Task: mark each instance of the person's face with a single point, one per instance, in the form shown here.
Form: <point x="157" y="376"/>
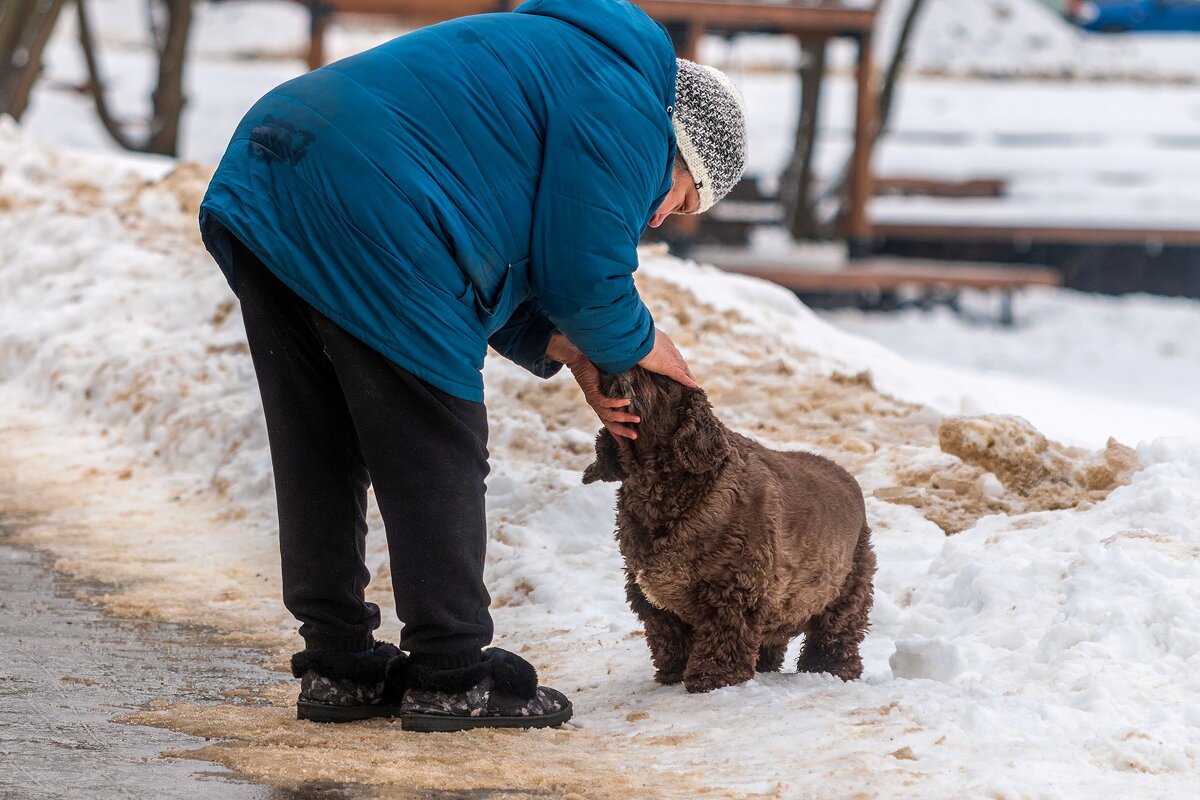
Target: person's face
<point x="682" y="199"/>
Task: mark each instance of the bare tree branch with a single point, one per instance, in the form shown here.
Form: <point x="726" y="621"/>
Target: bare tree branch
<point x="95" y="84"/>
<point x="25" y="27"/>
<point x="795" y="187"/>
<point x="167" y="99"/>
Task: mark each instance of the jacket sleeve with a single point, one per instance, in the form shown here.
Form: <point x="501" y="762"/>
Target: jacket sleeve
<point x="524" y="338"/>
<point x="605" y="162"/>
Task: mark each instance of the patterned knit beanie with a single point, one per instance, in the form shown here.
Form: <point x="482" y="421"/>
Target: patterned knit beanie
<point x="710" y="129"/>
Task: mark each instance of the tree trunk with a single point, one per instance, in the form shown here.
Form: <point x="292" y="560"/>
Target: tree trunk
<point x="25" y="27"/>
<point x="167" y="99"/>
<point x="795" y="187"/>
<point x="899" y="56"/>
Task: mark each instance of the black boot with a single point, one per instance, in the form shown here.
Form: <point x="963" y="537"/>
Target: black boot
<point x="500" y="691"/>
<point x="343" y="687"/>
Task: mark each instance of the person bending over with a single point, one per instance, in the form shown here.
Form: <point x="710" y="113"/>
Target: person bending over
<point x="382" y="220"/>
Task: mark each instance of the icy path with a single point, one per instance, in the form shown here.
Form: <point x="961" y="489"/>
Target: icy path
<point x="67" y="669"/>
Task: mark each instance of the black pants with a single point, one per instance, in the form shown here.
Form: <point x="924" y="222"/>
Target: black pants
<point x="341" y="417"/>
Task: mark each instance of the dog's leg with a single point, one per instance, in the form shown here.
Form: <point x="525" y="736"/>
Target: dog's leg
<point x="831" y="638"/>
<point x="770" y="656"/>
<point x="668" y="637"/>
<point x="724" y="650"/>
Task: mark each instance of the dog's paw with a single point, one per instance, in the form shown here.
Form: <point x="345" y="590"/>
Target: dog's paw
<point x="770" y="658"/>
<point x="848" y="669"/>
<point x="699" y="684"/>
<point x="668" y="677"/>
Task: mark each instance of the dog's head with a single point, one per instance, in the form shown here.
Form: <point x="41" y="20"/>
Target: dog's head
<point x="678" y="426"/>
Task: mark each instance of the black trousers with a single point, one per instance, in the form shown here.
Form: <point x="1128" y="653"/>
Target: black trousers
<point x="341" y="417"/>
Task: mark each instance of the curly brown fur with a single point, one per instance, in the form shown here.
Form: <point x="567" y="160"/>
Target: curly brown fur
<point x="832" y="637"/>
<point x="510" y="674"/>
<point x="362" y="667"/>
<point x="732" y="549"/>
<point x="669" y="637"/>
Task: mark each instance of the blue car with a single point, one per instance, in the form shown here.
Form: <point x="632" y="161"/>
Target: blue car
<point x="1116" y="16"/>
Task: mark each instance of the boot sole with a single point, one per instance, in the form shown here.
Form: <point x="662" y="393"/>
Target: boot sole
<point x="432" y="723"/>
<point x="318" y="712"/>
<point x="426" y="723"/>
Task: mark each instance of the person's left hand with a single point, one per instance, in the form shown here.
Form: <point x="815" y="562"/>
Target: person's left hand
<point x="608" y="409"/>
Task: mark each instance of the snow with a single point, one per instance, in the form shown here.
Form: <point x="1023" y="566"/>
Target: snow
<point x="1051" y="653"/>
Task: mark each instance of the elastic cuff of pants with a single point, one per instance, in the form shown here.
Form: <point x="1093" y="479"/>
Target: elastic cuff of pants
<point x="354" y="644"/>
<point x="447" y="660"/>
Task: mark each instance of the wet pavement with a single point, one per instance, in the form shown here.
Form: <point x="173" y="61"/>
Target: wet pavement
<point x="66" y="669"/>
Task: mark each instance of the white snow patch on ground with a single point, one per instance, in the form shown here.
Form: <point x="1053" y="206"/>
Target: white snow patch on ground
<point x="1054" y="654"/>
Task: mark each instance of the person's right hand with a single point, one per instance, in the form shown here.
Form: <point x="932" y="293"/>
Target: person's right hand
<point x="666" y="360"/>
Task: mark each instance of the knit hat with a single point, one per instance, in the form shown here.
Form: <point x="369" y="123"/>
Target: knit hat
<point x="710" y="129"/>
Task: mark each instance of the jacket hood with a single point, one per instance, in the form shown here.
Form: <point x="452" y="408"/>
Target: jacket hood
<point x="623" y="28"/>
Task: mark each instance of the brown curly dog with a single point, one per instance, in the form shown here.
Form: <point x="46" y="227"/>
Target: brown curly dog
<point x="731" y="549"/>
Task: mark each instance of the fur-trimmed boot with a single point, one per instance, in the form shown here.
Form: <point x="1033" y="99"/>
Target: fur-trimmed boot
<point x="500" y="691"/>
<point x="343" y="687"/>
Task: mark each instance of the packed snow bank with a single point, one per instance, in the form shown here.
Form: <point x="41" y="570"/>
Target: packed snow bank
<point x="1051" y="652"/>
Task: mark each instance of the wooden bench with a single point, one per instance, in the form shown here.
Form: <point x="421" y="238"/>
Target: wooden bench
<point x="879" y="281"/>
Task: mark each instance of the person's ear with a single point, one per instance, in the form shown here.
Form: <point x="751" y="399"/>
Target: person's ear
<point x="607" y="466"/>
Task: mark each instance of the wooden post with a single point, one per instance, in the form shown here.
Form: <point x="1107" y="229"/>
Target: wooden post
<point x="858" y="226"/>
<point x="319" y="15"/>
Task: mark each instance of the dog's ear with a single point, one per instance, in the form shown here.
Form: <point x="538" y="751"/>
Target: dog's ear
<point x="700" y="443"/>
<point x="607" y="466"/>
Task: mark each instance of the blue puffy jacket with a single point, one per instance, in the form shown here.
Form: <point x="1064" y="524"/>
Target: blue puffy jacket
<point x="485" y="179"/>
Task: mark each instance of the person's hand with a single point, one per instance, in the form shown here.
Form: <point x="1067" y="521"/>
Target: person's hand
<point x="608" y="409"/>
<point x="666" y="360"/>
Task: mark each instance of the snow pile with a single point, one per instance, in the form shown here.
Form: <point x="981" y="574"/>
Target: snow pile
<point x="165" y="353"/>
<point x="1039" y="652"/>
<point x="1003" y="465"/>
